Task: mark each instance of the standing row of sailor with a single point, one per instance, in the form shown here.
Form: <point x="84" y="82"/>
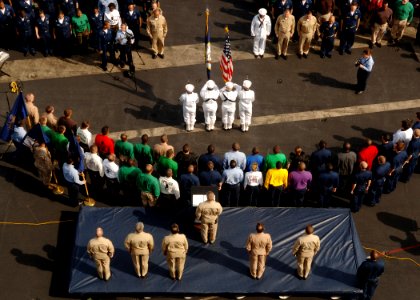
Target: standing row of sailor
<point x="230" y="94"/>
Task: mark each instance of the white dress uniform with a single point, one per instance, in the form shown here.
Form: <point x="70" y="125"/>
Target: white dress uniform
<point x="246" y="97"/>
<point x="189" y="102"/>
<point x="209" y="93"/>
<point x="260" y="29"/>
<point x="228" y="94"/>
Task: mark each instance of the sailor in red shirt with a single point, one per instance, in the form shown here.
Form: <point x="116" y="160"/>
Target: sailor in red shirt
<point x="105" y="143"/>
<point x="368" y="153"/>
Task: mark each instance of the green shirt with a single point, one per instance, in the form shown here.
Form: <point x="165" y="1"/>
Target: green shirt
<point x="59" y="142"/>
<point x="271" y="160"/>
<point x="148" y="183"/>
<point x="124" y="148"/>
<point x="165" y="163"/>
<point x="143" y="154"/>
<point x="47" y="131"/>
<point x="403" y="11"/>
<point x="80" y="24"/>
<point x="128" y="174"/>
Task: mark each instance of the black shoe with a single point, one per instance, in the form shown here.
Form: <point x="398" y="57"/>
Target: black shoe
<point x="328" y="55"/>
<point x="341" y="52"/>
<point x="25" y="53"/>
<point x="161" y="55"/>
<point x="379" y="45"/>
<point x="305" y="55"/>
<point x="276" y="57"/>
<point x="299" y="55"/>
<point x="256" y="56"/>
<point x="262" y="56"/>
<point x="154" y="56"/>
<point x="322" y="55"/>
<point x="104" y="68"/>
<point x="285" y="57"/>
<point x="122" y="65"/>
<point x="348" y="51"/>
<point x="370" y="45"/>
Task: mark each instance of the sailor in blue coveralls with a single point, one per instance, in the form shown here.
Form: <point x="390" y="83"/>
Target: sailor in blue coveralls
<point x="360" y="186"/>
<point x="328" y="31"/>
<point x="43" y="32"/>
<point x="397" y="164"/>
<point x="7" y="33"/>
<point x="106" y="44"/>
<point x="96" y="24"/>
<point x="349" y="25"/>
<point x="62" y="34"/>
<point x="133" y="20"/>
<point x="368" y="274"/>
<point x="24" y="32"/>
<point x="379" y="173"/>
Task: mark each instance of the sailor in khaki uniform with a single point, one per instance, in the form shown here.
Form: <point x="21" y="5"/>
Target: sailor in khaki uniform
<point x="157" y="29"/>
<point x="305" y="249"/>
<point x="258" y="246"/>
<point x="208" y="213"/>
<point x="101" y="250"/>
<point x="175" y="247"/>
<point x="284" y="29"/>
<point x="306" y="28"/>
<point x="140" y="244"/>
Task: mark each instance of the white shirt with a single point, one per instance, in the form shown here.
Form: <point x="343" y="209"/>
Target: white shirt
<point x="189" y="101"/>
<point x="245" y="99"/>
<point x="169" y="186"/>
<point x="253" y="179"/>
<point x="71" y="174"/>
<point x="229" y="97"/>
<point x="110" y="169"/>
<point x="18" y="134"/>
<point x="94" y="163"/>
<point x="113" y="17"/>
<point x="209" y="96"/>
<point x="261" y="27"/>
<point x="85" y="136"/>
<point x="403" y="136"/>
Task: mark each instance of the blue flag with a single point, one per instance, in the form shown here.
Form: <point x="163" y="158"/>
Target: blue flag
<point x="17" y="114"/>
<point x="38" y="134"/>
<point x="76" y="153"/>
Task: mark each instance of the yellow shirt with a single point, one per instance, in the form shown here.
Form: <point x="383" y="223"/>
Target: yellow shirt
<point x="276" y="177"/>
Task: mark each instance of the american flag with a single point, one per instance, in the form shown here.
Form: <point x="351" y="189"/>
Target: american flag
<point x="226" y="65"/>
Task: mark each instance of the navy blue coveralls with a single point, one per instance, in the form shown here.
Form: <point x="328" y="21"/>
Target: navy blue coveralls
<point x="44" y="32"/>
<point x="348" y="32"/>
<point x="328" y="34"/>
<point x="368" y="274"/>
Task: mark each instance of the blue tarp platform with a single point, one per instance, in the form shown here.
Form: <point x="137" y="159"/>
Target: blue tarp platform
<point x="222" y="268"/>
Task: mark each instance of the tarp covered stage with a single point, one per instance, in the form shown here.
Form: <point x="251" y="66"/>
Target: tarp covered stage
<point x="222" y="268"/>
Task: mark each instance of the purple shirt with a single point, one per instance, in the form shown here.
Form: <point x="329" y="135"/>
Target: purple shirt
<point x="299" y="180"/>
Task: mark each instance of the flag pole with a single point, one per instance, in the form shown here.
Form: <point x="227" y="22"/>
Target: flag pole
<point x="207" y="45"/>
<point x="88" y="200"/>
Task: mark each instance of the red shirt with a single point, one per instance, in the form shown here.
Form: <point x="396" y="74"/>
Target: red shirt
<point x="105" y="144"/>
<point x="368" y="154"/>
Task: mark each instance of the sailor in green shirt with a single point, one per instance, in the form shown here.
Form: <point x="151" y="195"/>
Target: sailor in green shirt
<point x="45" y="129"/>
<point x="143" y="152"/>
<point x="59" y="144"/>
<point x="271" y="159"/>
<point x="80" y="28"/>
<point x="403" y="15"/>
<point x="124" y="150"/>
<point x="128" y="173"/>
<point x="149" y="187"/>
<point x="166" y="162"/>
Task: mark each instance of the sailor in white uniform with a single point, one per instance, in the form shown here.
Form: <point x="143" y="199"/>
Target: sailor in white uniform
<point x="189" y="101"/>
<point x="210" y="93"/>
<point x="228" y="94"/>
<point x="246" y="98"/>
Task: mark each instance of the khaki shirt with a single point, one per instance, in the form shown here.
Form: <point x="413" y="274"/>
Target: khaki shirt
<point x="306" y="25"/>
<point x="259" y="243"/>
<point x="307" y="245"/>
<point x="175" y="245"/>
<point x="100" y="247"/>
<point x="208" y="212"/>
<point x="157" y="26"/>
<point x="32" y="113"/>
<point x="139" y="243"/>
<point x="285" y="26"/>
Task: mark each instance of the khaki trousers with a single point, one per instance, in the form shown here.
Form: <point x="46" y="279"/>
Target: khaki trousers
<point x="158" y="42"/>
<point x="283" y="43"/>
<point x="398" y="27"/>
<point x="208" y="232"/>
<point x="378" y="32"/>
<point x="148" y="199"/>
<point x="305" y="42"/>
<point x="257" y="265"/>
<point x="141" y="264"/>
<point x="175" y="265"/>
<point x="304" y="265"/>
<point x="103" y="267"/>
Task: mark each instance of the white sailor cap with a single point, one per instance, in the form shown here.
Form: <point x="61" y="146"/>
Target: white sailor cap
<point x="229" y="85"/>
<point x="247" y="84"/>
<point x="210" y="84"/>
<point x="262" y="11"/>
<point x="189" y="88"/>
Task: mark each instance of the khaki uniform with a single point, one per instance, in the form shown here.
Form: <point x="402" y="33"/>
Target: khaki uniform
<point x="258" y="246"/>
<point x="304" y="249"/>
<point x="51" y="120"/>
<point x="208" y="213"/>
<point x="101" y="250"/>
<point x="140" y="245"/>
<point x="157" y="30"/>
<point x="306" y="29"/>
<point x="44" y="164"/>
<point x="175" y="247"/>
<point x="284" y="29"/>
<point x="32" y="113"/>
